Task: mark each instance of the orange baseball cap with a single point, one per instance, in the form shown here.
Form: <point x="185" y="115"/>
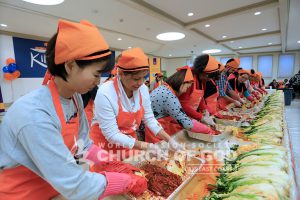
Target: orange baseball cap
<point x="235" y="63"/>
<point x="79" y="41"/>
<point x="188" y="75"/>
<point x="243" y="71"/>
<point x="212" y="65"/>
<point x="114" y="71"/>
<point x="159" y="74"/>
<point x="133" y="60"/>
<point x="222" y="67"/>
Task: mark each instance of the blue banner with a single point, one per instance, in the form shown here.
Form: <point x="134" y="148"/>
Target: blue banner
<point x="30" y="57"/>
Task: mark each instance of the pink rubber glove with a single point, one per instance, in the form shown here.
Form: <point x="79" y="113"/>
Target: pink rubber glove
<point x="219" y="115"/>
<point x="99" y="156"/>
<point x="265" y="91"/>
<point x="199" y="127"/>
<point x="260" y="91"/>
<point x="120" y="183"/>
<point x="250" y="98"/>
<point x="255" y="95"/>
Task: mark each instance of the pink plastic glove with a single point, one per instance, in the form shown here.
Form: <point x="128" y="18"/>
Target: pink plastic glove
<point x="99" y="156"/>
<point x="199" y="127"/>
<point x="219" y="115"/>
<point x="120" y="183"/>
<point x="250" y="98"/>
<point x="260" y="91"/>
<point x="265" y="91"/>
<point x="256" y="95"/>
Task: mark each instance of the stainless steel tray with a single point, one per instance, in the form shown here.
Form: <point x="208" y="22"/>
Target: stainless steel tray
<point x="193" y="165"/>
<point x="226" y="132"/>
<point x="228" y="122"/>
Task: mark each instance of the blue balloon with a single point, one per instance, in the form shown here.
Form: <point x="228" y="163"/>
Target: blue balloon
<point x="12" y="67"/>
<point x="5" y="69"/>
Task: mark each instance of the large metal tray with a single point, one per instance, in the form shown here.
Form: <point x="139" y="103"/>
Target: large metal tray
<point x="228" y="122"/>
<point x="193" y="165"/>
<point x="226" y="132"/>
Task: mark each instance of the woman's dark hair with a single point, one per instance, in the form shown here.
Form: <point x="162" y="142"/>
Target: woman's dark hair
<point x="176" y="80"/>
<point x="89" y="95"/>
<point x="200" y="64"/>
<point x="252" y="71"/>
<point x="230" y="60"/>
<point x="236" y="73"/>
<point x="59" y="70"/>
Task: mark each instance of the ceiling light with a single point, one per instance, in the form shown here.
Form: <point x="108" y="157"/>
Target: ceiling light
<point x="45" y="2"/>
<point x="240" y="47"/>
<point x="232" y="41"/>
<point x="208" y="51"/>
<point x="257" y="13"/>
<point x="270" y="43"/>
<point x="264" y="29"/>
<point x="170" y="36"/>
<point x="207" y="25"/>
<point x="170" y="55"/>
<point x="3" y="25"/>
<point x="224" y="36"/>
<point x="129" y="47"/>
<point x="119" y="39"/>
<point x="190" y="14"/>
<point x="299" y="41"/>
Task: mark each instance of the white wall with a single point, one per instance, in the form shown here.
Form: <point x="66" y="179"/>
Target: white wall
<point x="170" y="64"/>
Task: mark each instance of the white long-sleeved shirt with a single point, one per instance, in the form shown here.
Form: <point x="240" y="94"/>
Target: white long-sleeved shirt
<point x="30" y="136"/>
<point x="107" y="109"/>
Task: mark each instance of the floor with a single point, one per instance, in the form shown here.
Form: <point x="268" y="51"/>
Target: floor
<point x="293" y="123"/>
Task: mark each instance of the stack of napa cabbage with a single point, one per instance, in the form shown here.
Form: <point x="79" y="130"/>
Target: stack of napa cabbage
<point x="253" y="172"/>
<point x="267" y="127"/>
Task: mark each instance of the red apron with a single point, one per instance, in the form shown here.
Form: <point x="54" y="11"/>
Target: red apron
<point x="89" y="111"/>
<point x="169" y="124"/>
<point x="156" y="85"/>
<point x="212" y="101"/>
<point x="22" y="183"/>
<point x="196" y="96"/>
<point x="127" y="122"/>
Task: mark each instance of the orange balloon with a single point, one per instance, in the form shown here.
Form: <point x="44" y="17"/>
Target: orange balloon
<point x="8" y="76"/>
<point x="10" y="60"/>
<point x="16" y="74"/>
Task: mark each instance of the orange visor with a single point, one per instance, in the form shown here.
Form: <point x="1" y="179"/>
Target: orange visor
<point x="234" y="64"/>
<point x="212" y="65"/>
<point x="79" y="41"/>
<point x="159" y="74"/>
<point x="188" y="75"/>
<point x="222" y="67"/>
<point x="243" y="71"/>
<point x="133" y="60"/>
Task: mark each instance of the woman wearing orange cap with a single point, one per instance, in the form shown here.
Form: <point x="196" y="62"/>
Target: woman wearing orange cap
<point x="253" y="85"/>
<point x="226" y="94"/>
<point x="238" y="84"/>
<point x="167" y="108"/>
<point x="122" y="104"/>
<point x="37" y="152"/>
<point x="156" y="82"/>
<point x="205" y="67"/>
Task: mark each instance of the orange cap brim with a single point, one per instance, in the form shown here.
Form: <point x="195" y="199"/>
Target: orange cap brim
<point x="212" y="66"/>
<point x="188" y="75"/>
